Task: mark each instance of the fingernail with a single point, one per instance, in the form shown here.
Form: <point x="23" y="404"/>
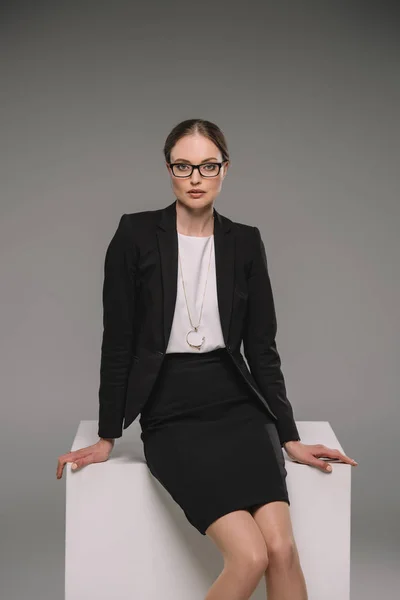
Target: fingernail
<point x="329" y="468"/>
<point x="74" y="466"/>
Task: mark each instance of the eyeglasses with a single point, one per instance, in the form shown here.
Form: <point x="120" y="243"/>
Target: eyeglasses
<point x="211" y="169"/>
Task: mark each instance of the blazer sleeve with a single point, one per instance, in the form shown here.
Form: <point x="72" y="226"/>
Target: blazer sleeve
<point x="116" y="348"/>
<point x="259" y="343"/>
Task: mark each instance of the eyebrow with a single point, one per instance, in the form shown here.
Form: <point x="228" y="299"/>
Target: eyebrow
<point x="185" y="160"/>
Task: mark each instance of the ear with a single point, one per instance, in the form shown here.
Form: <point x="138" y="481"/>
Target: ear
<point x="225" y="168"/>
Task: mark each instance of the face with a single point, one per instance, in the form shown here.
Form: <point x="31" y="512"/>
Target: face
<point x="196" y="149"/>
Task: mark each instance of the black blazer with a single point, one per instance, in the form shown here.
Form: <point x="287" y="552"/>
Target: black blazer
<point x="139" y="294"/>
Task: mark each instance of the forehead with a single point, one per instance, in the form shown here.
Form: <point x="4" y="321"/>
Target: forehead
<point x="195" y="148"/>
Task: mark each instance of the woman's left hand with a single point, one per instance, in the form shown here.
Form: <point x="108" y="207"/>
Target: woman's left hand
<point x="310" y="454"/>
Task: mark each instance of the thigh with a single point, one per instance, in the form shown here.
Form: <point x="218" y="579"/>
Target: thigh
<point x="274" y="522"/>
<point x="238" y="537"/>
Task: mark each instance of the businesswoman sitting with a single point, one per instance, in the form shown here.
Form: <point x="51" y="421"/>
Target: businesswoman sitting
<point x="184" y="286"/>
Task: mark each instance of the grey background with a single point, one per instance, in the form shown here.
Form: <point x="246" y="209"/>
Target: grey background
<point x="307" y="95"/>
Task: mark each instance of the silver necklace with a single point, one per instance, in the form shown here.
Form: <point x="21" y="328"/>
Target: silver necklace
<point x="195" y="327"/>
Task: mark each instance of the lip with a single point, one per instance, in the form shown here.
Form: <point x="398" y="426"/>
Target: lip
<point x="196" y="192"/>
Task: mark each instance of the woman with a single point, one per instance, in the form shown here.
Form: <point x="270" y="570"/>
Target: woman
<point x="183" y="287"/>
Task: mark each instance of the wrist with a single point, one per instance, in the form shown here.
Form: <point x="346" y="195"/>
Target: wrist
<point x="290" y="443"/>
<point x="110" y="440"/>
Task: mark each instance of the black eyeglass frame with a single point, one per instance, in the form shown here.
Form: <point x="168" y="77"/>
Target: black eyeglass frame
<point x="197" y="167"/>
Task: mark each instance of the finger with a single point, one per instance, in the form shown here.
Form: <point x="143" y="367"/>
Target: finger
<point x="60" y="467"/>
<point x="335" y="454"/>
<point x="71" y="457"/>
<point x="81" y="462"/>
<point x="75" y="454"/>
<point x="347" y="459"/>
<point x="325" y="452"/>
<point x="320" y="464"/>
<point x="59" y="471"/>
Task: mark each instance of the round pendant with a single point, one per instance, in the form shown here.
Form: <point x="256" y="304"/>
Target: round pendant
<point x="197" y="342"/>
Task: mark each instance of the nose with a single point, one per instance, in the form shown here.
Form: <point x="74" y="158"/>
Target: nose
<point x="195" y="177"/>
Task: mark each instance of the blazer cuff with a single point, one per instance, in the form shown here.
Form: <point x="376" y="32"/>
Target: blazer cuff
<point x="287" y="432"/>
<point x="107" y="431"/>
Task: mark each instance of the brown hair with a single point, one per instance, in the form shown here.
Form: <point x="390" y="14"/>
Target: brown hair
<point x="191" y="126"/>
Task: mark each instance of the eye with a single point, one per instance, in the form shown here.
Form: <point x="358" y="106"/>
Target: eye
<point x="183" y="167"/>
<point x="210" y="167"/>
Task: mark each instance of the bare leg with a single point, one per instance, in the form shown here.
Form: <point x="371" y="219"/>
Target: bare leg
<point x="238" y="537"/>
<point x="284" y="576"/>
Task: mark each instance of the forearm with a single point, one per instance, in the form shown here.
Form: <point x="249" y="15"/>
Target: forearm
<point x="266" y="370"/>
<point x="114" y="373"/>
<point x="260" y="346"/>
<point x="117" y="341"/>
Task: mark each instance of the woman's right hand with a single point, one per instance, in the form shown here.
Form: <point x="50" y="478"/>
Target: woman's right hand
<point x="98" y="452"/>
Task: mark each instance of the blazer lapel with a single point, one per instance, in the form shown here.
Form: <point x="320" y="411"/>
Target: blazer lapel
<point x="168" y="249"/>
<point x="224" y="265"/>
<point x="225" y="269"/>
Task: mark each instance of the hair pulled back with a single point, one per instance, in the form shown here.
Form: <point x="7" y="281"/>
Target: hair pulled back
<point x="192" y="126"/>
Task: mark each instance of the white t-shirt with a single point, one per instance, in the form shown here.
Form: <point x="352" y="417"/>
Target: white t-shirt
<point x="194" y="256"/>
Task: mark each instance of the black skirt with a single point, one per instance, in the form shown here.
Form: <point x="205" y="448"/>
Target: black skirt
<point x="209" y="440"/>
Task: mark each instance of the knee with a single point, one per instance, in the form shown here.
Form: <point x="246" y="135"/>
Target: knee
<point x="253" y="563"/>
<point x="282" y="552"/>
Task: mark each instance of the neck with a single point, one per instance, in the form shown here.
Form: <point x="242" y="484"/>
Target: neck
<point x="196" y="222"/>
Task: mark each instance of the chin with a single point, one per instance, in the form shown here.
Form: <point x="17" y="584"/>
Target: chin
<point x="196" y="203"/>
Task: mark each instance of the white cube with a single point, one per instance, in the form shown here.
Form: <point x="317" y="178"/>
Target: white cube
<point x="126" y="539"/>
